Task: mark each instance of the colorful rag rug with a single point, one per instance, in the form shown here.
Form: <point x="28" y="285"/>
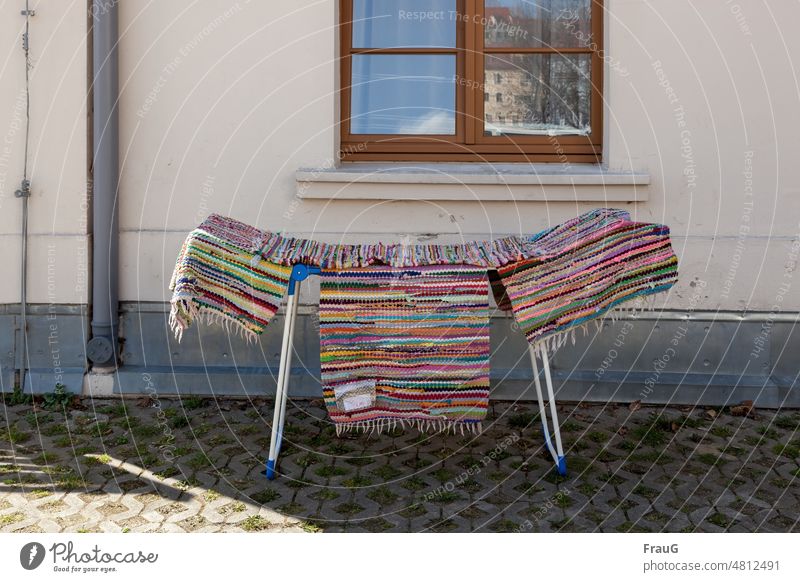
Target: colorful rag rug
<point x="585" y="268"/>
<point x="553" y="281"/>
<point x="405" y="345"/>
<point x="404" y="328"/>
<point x="219" y="276"/>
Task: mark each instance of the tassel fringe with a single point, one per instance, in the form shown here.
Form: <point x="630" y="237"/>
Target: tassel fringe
<point x="553" y="342"/>
<point x="424" y="425"/>
<point x="184" y="311"/>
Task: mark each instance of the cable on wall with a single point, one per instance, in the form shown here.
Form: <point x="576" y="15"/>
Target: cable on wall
<point x="24" y="192"/>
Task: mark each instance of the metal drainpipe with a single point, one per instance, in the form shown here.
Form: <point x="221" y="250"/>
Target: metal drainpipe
<point x="102" y="349"/>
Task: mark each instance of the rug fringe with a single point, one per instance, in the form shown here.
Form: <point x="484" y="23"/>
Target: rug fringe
<point x="424" y="425"/>
<point x="633" y="309"/>
<point x="184" y="311"/>
<point x="287" y="250"/>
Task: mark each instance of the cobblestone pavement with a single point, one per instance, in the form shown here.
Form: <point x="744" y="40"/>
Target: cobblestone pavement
<point x="195" y="465"/>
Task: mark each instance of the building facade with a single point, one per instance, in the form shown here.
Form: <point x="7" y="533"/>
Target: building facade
<point x="233" y="107"/>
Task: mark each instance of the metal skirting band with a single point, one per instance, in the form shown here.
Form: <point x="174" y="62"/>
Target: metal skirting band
<point x="710" y="358"/>
<point x="663" y="315"/>
<point x="57" y="336"/>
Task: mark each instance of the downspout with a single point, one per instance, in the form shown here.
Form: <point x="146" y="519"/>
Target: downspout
<point x="102" y="349"/>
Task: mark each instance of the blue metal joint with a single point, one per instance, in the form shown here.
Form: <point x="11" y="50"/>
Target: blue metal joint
<point x="301" y="272"/>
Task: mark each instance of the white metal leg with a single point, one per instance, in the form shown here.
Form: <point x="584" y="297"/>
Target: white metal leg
<point x="556" y="452"/>
<point x="282" y="390"/>
<point x="300" y="272"/>
<point x="288" y="373"/>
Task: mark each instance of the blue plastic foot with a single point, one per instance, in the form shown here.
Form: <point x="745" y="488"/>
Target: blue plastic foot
<point x="270" y="473"/>
<point x="561" y="466"/>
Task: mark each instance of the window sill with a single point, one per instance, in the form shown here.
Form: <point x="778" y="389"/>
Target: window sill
<point x="518" y="182"/>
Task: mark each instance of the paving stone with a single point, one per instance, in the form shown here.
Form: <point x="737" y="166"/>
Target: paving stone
<point x="654" y="469"/>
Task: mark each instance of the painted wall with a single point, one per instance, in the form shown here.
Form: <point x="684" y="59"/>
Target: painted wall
<point x="222" y="101"/>
<point x="58" y="227"/>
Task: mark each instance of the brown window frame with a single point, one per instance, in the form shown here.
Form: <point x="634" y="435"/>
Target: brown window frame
<point x="469" y="144"/>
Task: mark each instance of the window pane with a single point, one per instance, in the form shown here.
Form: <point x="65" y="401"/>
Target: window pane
<point x="403" y="94"/>
<point x="538" y="94"/>
<point x="404" y="23"/>
<point x="538" y="23"/>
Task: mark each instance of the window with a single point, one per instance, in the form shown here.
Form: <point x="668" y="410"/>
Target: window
<point x="413" y="72"/>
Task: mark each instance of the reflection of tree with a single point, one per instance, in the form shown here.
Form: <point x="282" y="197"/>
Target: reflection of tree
<point x="541" y="101"/>
<point x="529" y="23"/>
<point x="541" y="92"/>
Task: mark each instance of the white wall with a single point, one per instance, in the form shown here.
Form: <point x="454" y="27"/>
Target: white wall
<point x="58" y="251"/>
<point x="222" y="101"/>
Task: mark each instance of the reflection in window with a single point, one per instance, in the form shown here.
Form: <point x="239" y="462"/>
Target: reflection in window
<point x="538" y="23"/>
<point x="410" y="23"/>
<point x="403" y="94"/>
<point x="550" y="94"/>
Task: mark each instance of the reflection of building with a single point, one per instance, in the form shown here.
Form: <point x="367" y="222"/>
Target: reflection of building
<point x="549" y="23"/>
<point x="535" y="93"/>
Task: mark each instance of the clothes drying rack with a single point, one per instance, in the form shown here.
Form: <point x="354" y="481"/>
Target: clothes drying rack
<point x="301" y="272"/>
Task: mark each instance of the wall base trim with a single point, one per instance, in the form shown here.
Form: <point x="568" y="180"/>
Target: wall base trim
<point x="620" y="387"/>
<point x="705" y="358"/>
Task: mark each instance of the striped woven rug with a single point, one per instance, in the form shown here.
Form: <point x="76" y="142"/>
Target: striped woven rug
<point x="220" y="276"/>
<point x="404" y="329"/>
<point x="585" y="268"/>
<point x="405" y="345"/>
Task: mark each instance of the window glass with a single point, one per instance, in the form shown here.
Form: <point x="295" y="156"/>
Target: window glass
<point x="543" y="94"/>
<point x="403" y="94"/>
<point x="537" y="23"/>
<point x="406" y="23"/>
